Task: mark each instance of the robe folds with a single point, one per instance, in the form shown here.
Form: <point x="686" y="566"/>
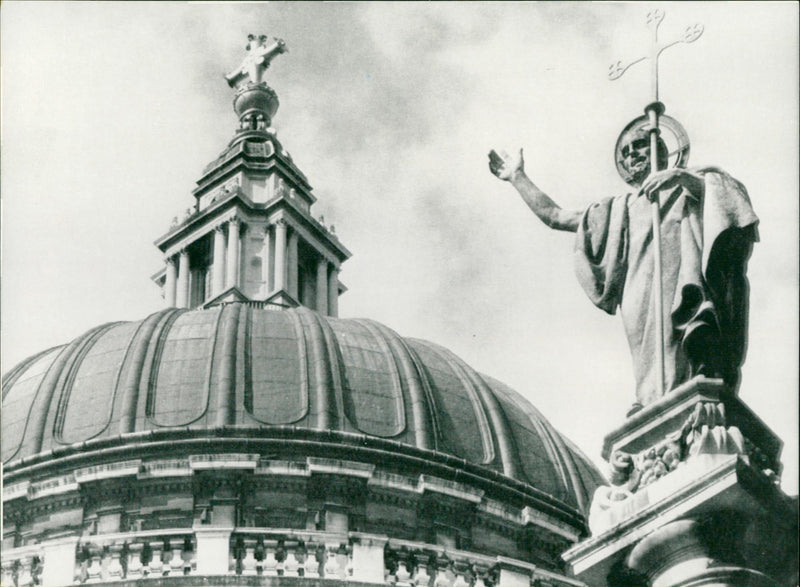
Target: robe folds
<point x="706" y="239"/>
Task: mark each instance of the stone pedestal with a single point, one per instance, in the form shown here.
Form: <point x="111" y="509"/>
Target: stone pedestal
<point x="213" y="546"/>
<point x="694" y="499"/>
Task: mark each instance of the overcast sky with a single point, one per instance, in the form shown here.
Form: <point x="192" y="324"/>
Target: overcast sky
<point x="110" y="111"/>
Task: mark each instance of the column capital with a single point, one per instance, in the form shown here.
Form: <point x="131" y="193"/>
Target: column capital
<point x="281" y="222"/>
<point x="219" y="227"/>
<point x="234" y="220"/>
<point x="169" y="260"/>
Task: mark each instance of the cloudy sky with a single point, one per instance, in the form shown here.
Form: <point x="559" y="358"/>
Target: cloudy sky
<point x="111" y="110"/>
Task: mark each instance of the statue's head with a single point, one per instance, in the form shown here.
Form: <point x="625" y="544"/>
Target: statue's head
<point x="634" y="157"/>
<point x="632" y="151"/>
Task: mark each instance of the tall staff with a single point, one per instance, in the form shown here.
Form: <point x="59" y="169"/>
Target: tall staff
<point x="654" y="110"/>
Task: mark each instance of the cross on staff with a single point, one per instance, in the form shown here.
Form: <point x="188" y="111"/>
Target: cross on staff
<point x="653" y="111"/>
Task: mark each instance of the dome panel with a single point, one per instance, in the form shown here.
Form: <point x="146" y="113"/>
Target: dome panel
<point x="276" y="391"/>
<point x="372" y="394"/>
<point x="87" y="398"/>
<point x="18" y="398"/>
<point x="179" y="389"/>
<point x="462" y="423"/>
<point x="535" y="450"/>
<point x="221" y="370"/>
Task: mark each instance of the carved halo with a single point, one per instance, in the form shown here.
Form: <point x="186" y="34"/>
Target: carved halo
<point x="675" y="138"/>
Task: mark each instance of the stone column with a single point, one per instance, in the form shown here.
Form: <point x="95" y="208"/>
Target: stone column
<point x="218" y="279"/>
<point x="232" y="274"/>
<point x="322" y="286"/>
<point x="291" y="266"/>
<point x="183" y="280"/>
<point x="170" y="282"/>
<point x="705" y="551"/>
<point x="280" y="255"/>
<point x="333" y="292"/>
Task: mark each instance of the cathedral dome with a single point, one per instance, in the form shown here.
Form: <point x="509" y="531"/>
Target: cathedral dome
<point x="252" y="377"/>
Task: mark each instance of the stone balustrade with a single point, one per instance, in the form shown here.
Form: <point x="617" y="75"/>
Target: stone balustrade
<point x="143" y="555"/>
<point x="22" y="566"/>
<point x="352" y="557"/>
<point x="424" y="565"/>
<point x="291" y="554"/>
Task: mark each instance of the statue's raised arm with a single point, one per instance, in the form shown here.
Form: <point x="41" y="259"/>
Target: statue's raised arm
<point x="512" y="169"/>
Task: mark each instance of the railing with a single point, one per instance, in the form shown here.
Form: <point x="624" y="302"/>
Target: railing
<point x="24" y="568"/>
<point x="149" y="554"/>
<point x="353" y="557"/>
<point x="411" y="563"/>
<point x="290" y="554"/>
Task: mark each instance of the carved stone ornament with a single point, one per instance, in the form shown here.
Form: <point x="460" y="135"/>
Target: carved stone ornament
<point x="704" y="432"/>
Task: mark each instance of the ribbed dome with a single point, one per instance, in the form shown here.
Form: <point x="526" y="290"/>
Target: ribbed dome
<point x="238" y="367"/>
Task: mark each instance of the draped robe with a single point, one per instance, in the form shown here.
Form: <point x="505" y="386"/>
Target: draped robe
<point x="706" y="241"/>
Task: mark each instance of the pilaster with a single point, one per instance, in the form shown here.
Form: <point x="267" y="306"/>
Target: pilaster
<point x="291" y="265"/>
<point x="280" y="255"/>
<point x="232" y="269"/>
<point x="322" y="286"/>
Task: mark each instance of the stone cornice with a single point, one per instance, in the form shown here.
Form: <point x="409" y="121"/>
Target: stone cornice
<point x="328" y="444"/>
<point x="237" y="201"/>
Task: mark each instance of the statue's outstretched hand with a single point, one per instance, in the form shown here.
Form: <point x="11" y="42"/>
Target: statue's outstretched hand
<point x="505" y="166"/>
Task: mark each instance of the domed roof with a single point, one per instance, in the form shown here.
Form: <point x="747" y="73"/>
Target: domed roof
<point x="240" y="367"/>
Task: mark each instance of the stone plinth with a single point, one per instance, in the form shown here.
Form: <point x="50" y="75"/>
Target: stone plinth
<point x="694" y="498"/>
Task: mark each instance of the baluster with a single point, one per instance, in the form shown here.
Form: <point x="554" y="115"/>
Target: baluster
<point x="114" y="569"/>
<point x="311" y="562"/>
<point x="345" y="557"/>
<point x="280" y="556"/>
<point x="421" y="576"/>
<point x="188" y="557"/>
<point x="235" y="555"/>
<point x="348" y="570"/>
<point x="260" y="553"/>
<point x="461" y="570"/>
<point x="95" y="570"/>
<point x="442" y="570"/>
<point x="176" y="563"/>
<point x="24" y="576"/>
<point x="36" y="569"/>
<point x="8" y="574"/>
<point x="156" y="565"/>
<point x="147" y="556"/>
<point x="403" y="574"/>
<point x="270" y="562"/>
<point x="135" y="561"/>
<point x="290" y="565"/>
<point x="481" y="573"/>
<point x="82" y="564"/>
<point x="249" y="560"/>
<point x="331" y="564"/>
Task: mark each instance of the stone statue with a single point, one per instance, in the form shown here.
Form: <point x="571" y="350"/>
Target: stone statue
<point x="707" y="230"/>
<point x="259" y="56"/>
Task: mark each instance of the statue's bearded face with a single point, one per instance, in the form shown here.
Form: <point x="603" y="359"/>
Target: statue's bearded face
<point x="636" y="159"/>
